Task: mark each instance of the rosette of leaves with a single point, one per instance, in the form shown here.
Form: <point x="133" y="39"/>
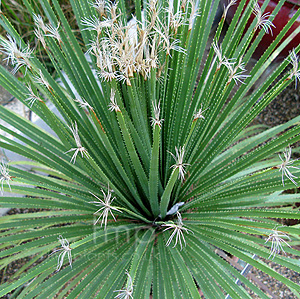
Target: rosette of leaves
<point x="149" y="169"/>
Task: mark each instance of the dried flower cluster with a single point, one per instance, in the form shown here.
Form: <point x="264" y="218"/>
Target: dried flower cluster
<point x="137" y="47"/>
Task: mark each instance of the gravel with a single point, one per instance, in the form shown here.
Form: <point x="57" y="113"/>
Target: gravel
<point x="276" y="288"/>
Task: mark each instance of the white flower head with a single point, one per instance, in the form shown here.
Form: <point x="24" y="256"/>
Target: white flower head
<point x="106" y="206"/>
<point x="199" y="114"/>
<point x="178" y="231"/>
<point x="54" y="32"/>
<point x="277" y="238"/>
<point x="79" y="148"/>
<point x="126" y="293"/>
<point x="286" y="164"/>
<point x="293" y="58"/>
<point x="65" y="250"/>
<point x="17" y="56"/>
<point x="113" y="106"/>
<point x="40" y="79"/>
<point x="32" y="97"/>
<point x="179" y="161"/>
<point x="262" y="19"/>
<point x="156" y="109"/>
<point x="4" y="175"/>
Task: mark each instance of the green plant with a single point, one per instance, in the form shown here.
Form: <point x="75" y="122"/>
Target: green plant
<point x="23" y="22"/>
<point x="169" y="159"/>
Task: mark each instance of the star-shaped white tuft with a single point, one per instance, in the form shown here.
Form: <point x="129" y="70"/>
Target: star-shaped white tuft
<point x="79" y="148"/>
<point x="65" y="250"/>
<point x="221" y="57"/>
<point x="16" y="54"/>
<point x="83" y="103"/>
<point x="199" y="114"/>
<point x="262" y="19"/>
<point x="53" y="32"/>
<point x="276" y="237"/>
<point x="106" y="207"/>
<point x="155" y="120"/>
<point x="4" y="176"/>
<point x="32" y="97"/>
<point x="113" y="106"/>
<point x="293" y="58"/>
<point x="179" y="161"/>
<point x="178" y="231"/>
<point x="286" y="164"/>
<point x="40" y="79"/>
<point x="126" y="293"/>
<point x="237" y="73"/>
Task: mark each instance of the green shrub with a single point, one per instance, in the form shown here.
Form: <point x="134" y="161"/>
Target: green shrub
<point x="151" y="169"/>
